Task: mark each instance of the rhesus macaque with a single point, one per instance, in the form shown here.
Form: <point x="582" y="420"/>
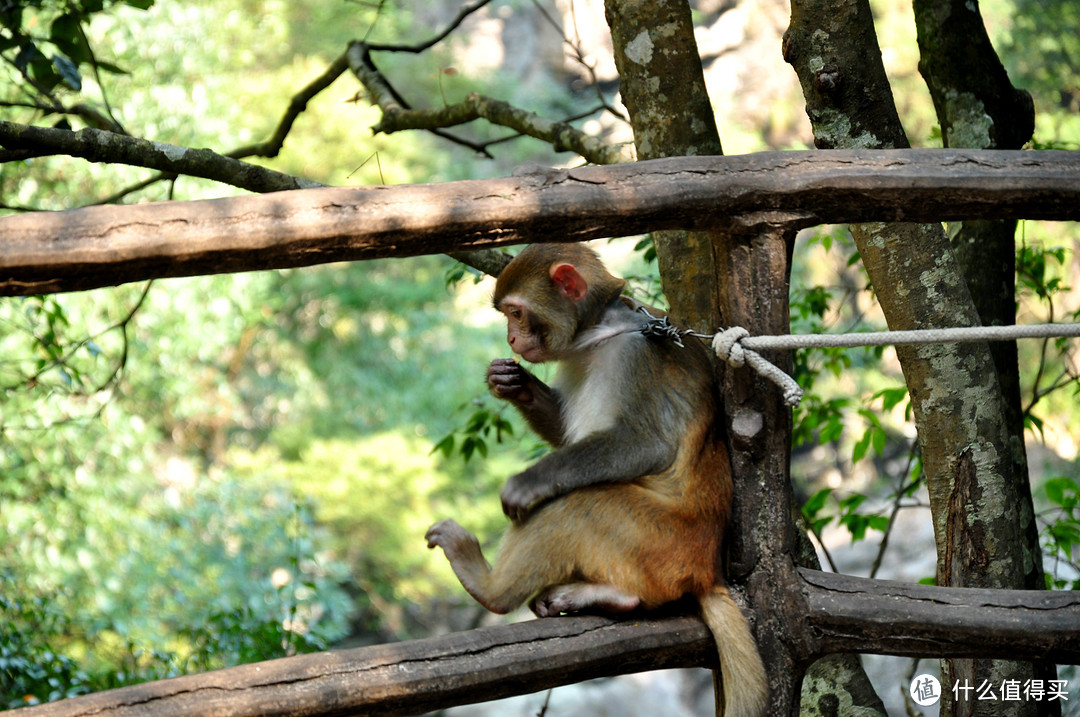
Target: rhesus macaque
<point x="629" y="508"/>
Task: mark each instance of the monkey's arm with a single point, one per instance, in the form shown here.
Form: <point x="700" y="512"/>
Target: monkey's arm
<point x="608" y="456"/>
<point x="537" y="402"/>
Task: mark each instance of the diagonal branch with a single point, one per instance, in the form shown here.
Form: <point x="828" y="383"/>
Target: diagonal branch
<point x="37" y="142"/>
<point x="436" y="39"/>
<point x="299" y="102"/>
<point x="397" y="116"/>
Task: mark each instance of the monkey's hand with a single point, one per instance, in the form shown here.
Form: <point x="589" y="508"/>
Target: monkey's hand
<point x="510" y="381"/>
<point x="535" y="400"/>
<point x="520" y="495"/>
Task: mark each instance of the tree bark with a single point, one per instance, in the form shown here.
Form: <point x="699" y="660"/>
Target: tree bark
<point x="663" y="87"/>
<point x="97" y="145"/>
<point x="977" y="107"/>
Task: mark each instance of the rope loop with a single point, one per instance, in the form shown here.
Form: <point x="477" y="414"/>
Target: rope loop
<point x="737" y="347"/>
<point x="726" y="344"/>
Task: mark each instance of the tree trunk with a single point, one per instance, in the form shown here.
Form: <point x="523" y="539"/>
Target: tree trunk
<point x="959" y="407"/>
<point x="663" y="87"/>
<point x="977" y="107"/>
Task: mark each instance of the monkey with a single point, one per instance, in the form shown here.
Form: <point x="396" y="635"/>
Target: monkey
<point x="629" y="508"/>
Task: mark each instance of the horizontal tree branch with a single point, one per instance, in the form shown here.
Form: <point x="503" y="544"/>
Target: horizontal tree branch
<point x="97" y="145"/>
<point x="849" y="614"/>
<point x="107" y="245"/>
<point x="844" y="614"/>
<point x="414" y="677"/>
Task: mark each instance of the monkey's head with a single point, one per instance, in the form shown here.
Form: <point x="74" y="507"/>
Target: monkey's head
<point x="549" y="293"/>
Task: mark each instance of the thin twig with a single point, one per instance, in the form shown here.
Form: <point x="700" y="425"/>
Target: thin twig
<point x="897" y="505"/>
<point x="431" y="42"/>
<point x="299" y="102"/>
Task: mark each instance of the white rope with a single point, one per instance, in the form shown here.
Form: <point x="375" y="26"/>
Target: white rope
<point x="737" y="347"/>
<point x="917" y="336"/>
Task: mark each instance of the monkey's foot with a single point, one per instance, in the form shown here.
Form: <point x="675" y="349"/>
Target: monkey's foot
<point x="573" y="597"/>
<point x="458" y="543"/>
<point x="467" y="560"/>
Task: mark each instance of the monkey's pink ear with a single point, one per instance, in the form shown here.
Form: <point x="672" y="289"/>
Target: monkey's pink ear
<point x="570" y="282"/>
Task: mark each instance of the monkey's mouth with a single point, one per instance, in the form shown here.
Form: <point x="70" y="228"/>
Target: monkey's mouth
<point x="532" y="354"/>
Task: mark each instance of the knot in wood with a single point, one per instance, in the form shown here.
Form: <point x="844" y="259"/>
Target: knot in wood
<point x="827" y="80"/>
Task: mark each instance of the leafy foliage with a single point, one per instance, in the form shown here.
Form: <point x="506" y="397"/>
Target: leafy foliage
<point x="1061" y="534"/>
<point x="30" y="670"/>
<point x="46" y="41"/>
<point x="482" y="425"/>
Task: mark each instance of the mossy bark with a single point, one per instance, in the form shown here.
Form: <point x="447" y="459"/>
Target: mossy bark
<point x="978" y="108"/>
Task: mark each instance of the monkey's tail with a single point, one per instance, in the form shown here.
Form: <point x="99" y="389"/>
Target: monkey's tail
<point x="745" y="687"/>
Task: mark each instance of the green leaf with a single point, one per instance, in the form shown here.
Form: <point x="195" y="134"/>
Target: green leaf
<point x="852" y="503"/>
<point x="445" y="446"/>
<point x="816" y="502"/>
<point x="891" y="397"/>
<point x="1063" y="491"/>
<point x="856" y="525"/>
<point x="813" y="506"/>
<point x="1066" y="533"/>
<point x="110" y="67"/>
<point x="879" y="439"/>
<point x="502" y="426"/>
<point x="478" y="421"/>
<point x="879" y="523"/>
<point x="832" y="430"/>
<point x="859" y="451"/>
<point x="66" y="34"/>
<point x="473" y="444"/>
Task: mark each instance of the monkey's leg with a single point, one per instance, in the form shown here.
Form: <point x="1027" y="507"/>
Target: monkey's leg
<point x="467" y="560"/>
<point x="573" y="597"/>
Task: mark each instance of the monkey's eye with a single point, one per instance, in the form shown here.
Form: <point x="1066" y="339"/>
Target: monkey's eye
<point x="515" y="313"/>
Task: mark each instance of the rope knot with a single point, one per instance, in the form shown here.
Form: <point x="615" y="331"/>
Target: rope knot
<point x="727" y="347"/>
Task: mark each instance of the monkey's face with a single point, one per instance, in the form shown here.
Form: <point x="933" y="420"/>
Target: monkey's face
<point x="540" y="299"/>
<point x="525" y="330"/>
